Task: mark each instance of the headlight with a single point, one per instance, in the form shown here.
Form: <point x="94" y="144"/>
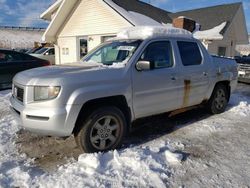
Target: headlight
<point x="42" y="93"/>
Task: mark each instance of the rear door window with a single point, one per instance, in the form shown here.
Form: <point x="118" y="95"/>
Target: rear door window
<point x="190" y="53"/>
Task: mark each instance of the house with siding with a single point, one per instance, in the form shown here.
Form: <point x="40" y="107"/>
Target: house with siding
<point x="77" y="26"/>
<point x="244" y="49"/>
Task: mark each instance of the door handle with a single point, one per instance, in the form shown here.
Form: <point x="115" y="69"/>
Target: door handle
<point x="173" y="78"/>
<point x="205" y="73"/>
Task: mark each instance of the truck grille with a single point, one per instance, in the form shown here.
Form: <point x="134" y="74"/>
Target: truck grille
<point x="18" y="93"/>
<point x="244" y="70"/>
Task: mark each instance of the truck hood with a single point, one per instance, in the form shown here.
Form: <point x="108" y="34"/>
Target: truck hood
<point x="36" y="55"/>
<point x="69" y="74"/>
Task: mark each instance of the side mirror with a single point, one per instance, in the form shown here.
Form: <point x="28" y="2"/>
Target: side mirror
<point x="47" y="53"/>
<point x="143" y="65"/>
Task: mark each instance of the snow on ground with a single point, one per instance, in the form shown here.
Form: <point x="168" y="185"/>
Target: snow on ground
<point x="202" y="151"/>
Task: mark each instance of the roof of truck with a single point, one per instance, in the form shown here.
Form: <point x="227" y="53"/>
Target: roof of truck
<point x="144" y="32"/>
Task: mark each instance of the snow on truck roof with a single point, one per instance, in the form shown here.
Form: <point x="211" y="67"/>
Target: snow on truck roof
<point x="144" y="32"/>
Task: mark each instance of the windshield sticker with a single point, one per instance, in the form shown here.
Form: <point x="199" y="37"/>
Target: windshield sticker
<point x="126" y="48"/>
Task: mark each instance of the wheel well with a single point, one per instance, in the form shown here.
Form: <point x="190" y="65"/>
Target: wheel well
<point x="227" y="84"/>
<point x="117" y="101"/>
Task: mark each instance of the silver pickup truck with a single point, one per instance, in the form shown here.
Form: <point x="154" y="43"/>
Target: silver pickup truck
<point x="143" y="72"/>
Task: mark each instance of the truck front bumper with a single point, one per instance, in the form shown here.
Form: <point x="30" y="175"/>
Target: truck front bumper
<point x="45" y="121"/>
<point x="244" y="79"/>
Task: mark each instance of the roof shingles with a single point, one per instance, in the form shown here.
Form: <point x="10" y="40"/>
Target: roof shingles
<point x="155" y="13"/>
<point x="208" y="17"/>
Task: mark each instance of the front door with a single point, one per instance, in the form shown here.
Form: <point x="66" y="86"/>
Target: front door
<point x="156" y="90"/>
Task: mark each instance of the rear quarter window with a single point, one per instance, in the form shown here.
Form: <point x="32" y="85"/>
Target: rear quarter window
<point x="190" y="53"/>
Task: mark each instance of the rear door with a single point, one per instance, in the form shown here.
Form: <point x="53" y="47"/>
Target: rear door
<point x="194" y="73"/>
<point x="157" y="90"/>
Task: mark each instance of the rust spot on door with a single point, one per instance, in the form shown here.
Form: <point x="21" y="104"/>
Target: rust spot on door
<point x="187" y="88"/>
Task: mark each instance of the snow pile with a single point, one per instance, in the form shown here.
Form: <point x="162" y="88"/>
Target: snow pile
<point x="133" y="167"/>
<point x="143" y="166"/>
<point x="173" y="158"/>
<point x="240" y="105"/>
<point x="211" y="34"/>
<point x="143" y="32"/>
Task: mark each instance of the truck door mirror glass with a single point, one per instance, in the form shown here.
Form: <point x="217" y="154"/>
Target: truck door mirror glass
<point x="143" y="65"/>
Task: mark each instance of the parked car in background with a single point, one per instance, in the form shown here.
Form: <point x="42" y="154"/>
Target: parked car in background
<point x="33" y="50"/>
<point x="12" y="62"/>
<point x="47" y="53"/>
<point x="244" y="68"/>
<point x="22" y="50"/>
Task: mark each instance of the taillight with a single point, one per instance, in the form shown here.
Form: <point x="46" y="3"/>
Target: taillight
<point x="46" y="63"/>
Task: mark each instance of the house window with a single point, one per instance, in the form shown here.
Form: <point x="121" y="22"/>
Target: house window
<point x="105" y="38"/>
<point x="222" y="51"/>
<point x="83" y="47"/>
<point x="65" y="51"/>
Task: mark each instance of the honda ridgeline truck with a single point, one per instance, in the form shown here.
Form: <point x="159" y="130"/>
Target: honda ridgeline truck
<point x="142" y="72"/>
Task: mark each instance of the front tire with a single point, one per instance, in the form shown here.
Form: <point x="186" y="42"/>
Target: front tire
<point x="102" y="130"/>
<point x="219" y="99"/>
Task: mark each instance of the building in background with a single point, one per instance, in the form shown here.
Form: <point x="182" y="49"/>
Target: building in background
<point x="20" y="37"/>
<point x="244" y="49"/>
<point x="77" y="26"/>
<point x="228" y="19"/>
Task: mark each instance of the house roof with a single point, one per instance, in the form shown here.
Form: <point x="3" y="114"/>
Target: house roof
<point x="208" y="17"/>
<point x="211" y="17"/>
<point x="146" y="9"/>
<point x="46" y="15"/>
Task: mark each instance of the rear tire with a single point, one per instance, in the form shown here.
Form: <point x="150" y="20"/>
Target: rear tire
<point x="102" y="130"/>
<point x="219" y="99"/>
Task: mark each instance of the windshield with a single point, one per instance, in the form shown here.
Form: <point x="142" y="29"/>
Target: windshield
<point x="113" y="52"/>
<point x="41" y="51"/>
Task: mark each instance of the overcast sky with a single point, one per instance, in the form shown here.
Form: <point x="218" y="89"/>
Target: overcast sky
<point x="26" y="12"/>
